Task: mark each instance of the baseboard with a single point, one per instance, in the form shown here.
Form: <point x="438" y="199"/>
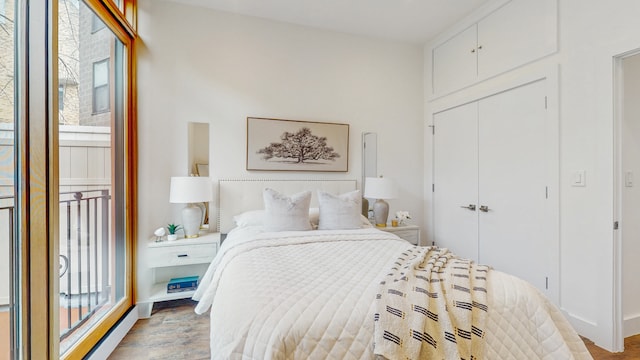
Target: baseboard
<point x="582" y="326"/>
<point x="4" y="300"/>
<point x="632" y="325"/>
<point x="109" y="343"/>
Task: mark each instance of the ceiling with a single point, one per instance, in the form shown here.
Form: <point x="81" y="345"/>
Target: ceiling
<point x="414" y="21"/>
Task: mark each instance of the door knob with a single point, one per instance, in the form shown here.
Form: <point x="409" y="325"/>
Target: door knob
<point x="484" y="208"/>
<point x="470" y="207"/>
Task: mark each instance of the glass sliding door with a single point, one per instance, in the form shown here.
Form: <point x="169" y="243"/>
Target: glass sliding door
<point x="7" y="175"/>
<point x="93" y="249"/>
<point x="67" y="174"/>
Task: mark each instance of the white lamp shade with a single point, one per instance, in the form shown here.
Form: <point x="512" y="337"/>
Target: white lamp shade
<point x="190" y="189"/>
<point x="379" y="188"/>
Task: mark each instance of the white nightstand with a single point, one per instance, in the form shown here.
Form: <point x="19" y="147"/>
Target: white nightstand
<point x="177" y="258"/>
<point x="411" y="233"/>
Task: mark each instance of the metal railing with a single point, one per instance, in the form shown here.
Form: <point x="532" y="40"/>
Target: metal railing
<point x="84" y="248"/>
<point x="84" y="253"/>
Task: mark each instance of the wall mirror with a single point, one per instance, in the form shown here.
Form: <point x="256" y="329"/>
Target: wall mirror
<point x="198" y="149"/>
<point x="369" y="163"/>
<point x="198" y="155"/>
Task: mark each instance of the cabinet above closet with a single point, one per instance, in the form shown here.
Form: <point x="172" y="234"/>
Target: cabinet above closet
<point x="515" y="34"/>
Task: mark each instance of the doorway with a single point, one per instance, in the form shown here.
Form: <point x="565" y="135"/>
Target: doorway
<point x="627" y="191"/>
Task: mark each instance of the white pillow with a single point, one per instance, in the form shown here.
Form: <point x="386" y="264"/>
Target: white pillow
<point x="338" y="212"/>
<point x="314" y="217"/>
<point x="286" y="213"/>
<point x="249" y="218"/>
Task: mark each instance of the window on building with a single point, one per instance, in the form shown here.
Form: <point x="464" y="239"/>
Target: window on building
<point x="101" y="86"/>
<point x="60" y="97"/>
<point x="96" y="24"/>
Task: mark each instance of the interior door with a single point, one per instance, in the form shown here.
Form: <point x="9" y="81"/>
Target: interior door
<point x="455" y="172"/>
<point x="512" y="182"/>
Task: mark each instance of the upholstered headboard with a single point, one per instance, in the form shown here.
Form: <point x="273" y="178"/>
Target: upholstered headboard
<point x="236" y="196"/>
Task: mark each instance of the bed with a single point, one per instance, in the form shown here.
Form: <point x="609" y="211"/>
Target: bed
<point x="360" y="293"/>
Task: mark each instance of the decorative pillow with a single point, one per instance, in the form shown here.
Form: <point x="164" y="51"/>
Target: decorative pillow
<point x="286" y="213"/>
<point x="314" y="217"/>
<point x="338" y="212"/>
<point x="249" y="218"/>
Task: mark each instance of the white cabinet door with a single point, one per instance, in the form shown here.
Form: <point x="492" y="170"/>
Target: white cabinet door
<point x="512" y="182"/>
<point x="519" y="32"/>
<point x="493" y="153"/>
<point x="455" y="171"/>
<point x="455" y="62"/>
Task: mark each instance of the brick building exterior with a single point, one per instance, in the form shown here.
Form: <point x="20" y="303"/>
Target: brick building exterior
<point x="83" y="42"/>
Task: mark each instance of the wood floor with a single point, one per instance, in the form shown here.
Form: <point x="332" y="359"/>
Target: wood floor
<point x="174" y="331"/>
<point x="631" y="350"/>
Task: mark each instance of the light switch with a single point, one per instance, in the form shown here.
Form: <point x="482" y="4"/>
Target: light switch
<point x="579" y="178"/>
<point x="628" y="179"/>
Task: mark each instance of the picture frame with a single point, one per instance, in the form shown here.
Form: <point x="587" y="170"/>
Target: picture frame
<point x="297" y="145"/>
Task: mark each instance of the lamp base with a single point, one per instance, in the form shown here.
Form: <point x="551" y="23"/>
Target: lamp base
<point x="191" y="219"/>
<point x="380" y="212"/>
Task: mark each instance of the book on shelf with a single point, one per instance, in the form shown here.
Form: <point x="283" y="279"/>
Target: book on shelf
<point x="183" y="284"/>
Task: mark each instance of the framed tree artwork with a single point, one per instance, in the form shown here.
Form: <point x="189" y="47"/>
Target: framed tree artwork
<point x="293" y="145"/>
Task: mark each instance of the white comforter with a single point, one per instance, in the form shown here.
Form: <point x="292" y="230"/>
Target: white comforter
<point x="310" y="295"/>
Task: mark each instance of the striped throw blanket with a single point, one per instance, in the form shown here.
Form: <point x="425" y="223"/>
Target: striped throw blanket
<point x="432" y="305"/>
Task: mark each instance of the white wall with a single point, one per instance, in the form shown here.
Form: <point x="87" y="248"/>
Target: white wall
<point x="205" y="66"/>
<point x="630" y="132"/>
<point x="592" y="32"/>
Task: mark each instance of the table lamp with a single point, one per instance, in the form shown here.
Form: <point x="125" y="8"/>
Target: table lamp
<point x="190" y="190"/>
<point x="380" y="189"/>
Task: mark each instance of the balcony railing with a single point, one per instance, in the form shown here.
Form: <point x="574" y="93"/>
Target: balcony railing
<point x="84" y="253"/>
<point x="84" y="250"/>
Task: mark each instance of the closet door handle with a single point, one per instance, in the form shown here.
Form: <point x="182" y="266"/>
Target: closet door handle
<point x="484" y="208"/>
<point x="470" y="207"/>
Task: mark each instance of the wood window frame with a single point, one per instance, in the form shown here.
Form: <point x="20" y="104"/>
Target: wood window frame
<point x="37" y="176"/>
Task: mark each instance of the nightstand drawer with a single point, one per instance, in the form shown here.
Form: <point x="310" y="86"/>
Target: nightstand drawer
<point x="182" y="255"/>
<point x="409" y="235"/>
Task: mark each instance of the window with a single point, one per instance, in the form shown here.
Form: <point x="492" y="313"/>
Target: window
<point x="9" y="309"/>
<point x="63" y="302"/>
<point x="60" y="97"/>
<point x="94" y="247"/>
<point x="101" y="86"/>
<point x="96" y="24"/>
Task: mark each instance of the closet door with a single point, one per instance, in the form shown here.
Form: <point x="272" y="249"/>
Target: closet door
<point x="512" y="182"/>
<point x="455" y="172"/>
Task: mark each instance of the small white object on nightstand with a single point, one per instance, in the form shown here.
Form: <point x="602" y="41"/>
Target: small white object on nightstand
<point x="159" y="233"/>
<point x="411" y="233"/>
